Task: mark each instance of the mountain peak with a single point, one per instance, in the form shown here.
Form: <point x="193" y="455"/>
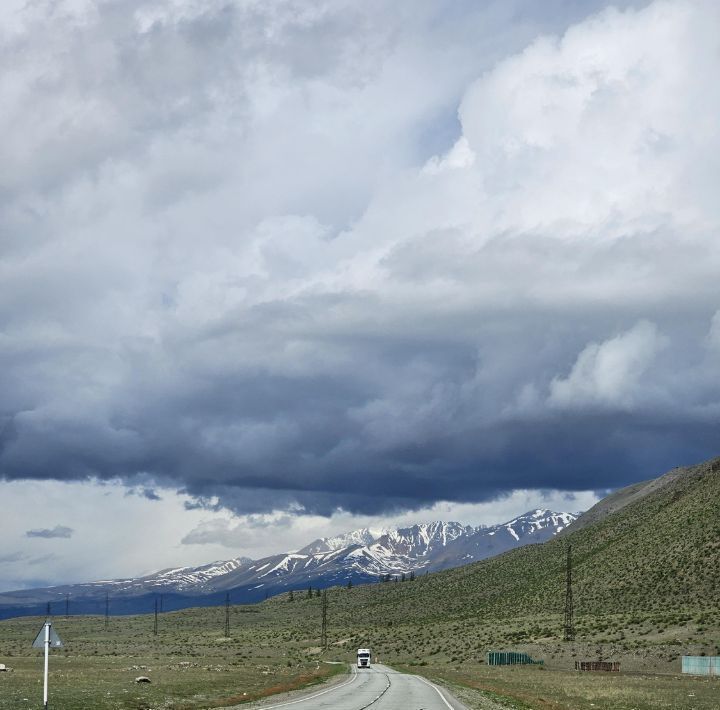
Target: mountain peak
<point x="361" y="536"/>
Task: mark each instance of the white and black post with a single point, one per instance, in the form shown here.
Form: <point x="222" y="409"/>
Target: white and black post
<point x="47" y="636"/>
<point x="47" y="659"/>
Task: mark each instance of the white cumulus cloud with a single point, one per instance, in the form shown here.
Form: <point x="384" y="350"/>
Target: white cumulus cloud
<point x="610" y="373"/>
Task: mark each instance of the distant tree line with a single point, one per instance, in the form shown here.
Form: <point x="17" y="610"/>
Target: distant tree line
<point x="394" y="578"/>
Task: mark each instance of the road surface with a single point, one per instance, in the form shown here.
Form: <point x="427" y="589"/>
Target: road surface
<point x="375" y="688"/>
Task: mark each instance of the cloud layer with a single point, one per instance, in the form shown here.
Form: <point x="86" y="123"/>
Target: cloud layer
<point x="182" y="537"/>
<point x="310" y="256"/>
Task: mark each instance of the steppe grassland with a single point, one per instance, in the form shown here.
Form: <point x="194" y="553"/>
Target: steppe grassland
<point x="532" y="688"/>
<point x="274" y="647"/>
<point x="190" y="662"/>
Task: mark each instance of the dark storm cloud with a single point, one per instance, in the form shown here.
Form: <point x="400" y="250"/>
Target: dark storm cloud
<point x="243" y="272"/>
<point x="59" y="531"/>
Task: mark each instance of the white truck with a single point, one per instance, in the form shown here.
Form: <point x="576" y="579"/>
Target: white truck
<point x="363" y="658"/>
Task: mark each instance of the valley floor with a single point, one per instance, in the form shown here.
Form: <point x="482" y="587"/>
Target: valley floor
<point x="273" y="648"/>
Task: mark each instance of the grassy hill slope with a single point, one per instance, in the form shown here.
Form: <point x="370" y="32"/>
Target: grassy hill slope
<point x="646" y="588"/>
<point x="659" y="552"/>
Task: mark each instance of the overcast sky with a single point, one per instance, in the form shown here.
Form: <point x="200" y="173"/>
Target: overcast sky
<point x="270" y="269"/>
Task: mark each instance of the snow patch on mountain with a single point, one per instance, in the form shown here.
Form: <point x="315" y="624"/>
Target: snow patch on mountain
<point x="363" y="536"/>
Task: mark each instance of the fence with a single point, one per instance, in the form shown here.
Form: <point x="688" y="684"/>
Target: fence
<point x="510" y="658"/>
<point x="611" y="666"/>
<point x="701" y="665"/>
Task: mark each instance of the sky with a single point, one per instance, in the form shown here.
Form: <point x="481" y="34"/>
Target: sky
<point x="272" y="270"/>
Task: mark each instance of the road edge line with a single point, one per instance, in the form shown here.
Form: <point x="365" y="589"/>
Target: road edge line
<point x="436" y="689"/>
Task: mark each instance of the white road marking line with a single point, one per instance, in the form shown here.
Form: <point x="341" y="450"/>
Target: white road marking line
<point x="312" y="697"/>
<point x="437" y="690"/>
<point x="387" y="687"/>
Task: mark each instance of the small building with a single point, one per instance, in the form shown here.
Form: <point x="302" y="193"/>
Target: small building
<point x="608" y="666"/>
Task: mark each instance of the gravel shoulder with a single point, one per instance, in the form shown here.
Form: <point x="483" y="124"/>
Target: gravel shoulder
<point x="475" y="699"/>
<point x="294" y="694"/>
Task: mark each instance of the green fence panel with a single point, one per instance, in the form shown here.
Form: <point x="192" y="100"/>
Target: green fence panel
<point x="701" y="665"/>
<point x="509" y="658"/>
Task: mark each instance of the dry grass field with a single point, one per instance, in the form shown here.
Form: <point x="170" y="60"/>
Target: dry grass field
<point x="273" y="647"/>
<point x="532" y="688"/>
<point x="190" y="663"/>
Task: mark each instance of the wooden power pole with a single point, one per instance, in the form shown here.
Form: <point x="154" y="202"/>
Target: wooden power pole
<point x="569" y="628"/>
<point x="323" y="626"/>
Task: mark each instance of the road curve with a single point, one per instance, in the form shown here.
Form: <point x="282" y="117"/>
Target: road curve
<point x="376" y="688"/>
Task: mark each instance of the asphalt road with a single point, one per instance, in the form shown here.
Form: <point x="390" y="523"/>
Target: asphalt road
<point x="376" y="688"/>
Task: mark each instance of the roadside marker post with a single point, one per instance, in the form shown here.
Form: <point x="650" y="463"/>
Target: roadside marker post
<point x="47" y="636"/>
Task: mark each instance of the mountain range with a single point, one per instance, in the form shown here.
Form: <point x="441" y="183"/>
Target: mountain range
<point x="361" y="556"/>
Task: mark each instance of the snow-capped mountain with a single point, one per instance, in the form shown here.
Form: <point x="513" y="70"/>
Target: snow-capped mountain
<point x="363" y="536"/>
<point x="361" y="556"/>
<point x="189" y="577"/>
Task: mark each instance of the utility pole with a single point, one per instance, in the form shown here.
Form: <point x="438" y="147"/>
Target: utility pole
<point x="67" y="605"/>
<point x="323" y="627"/>
<point x="569" y="629"/>
<point x="155" y="628"/>
<point x="227" y="614"/>
<point x="107" y="610"/>
<point x="161" y="603"/>
<point x="47" y="611"/>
